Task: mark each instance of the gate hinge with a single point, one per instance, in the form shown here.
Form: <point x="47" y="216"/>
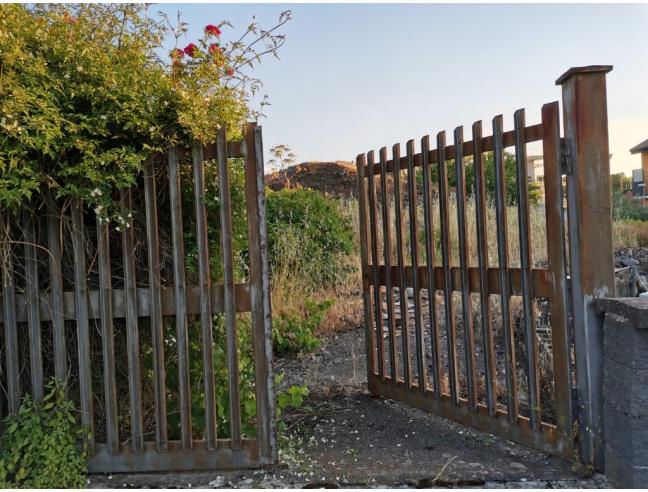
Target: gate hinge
<point x="565" y="157"/>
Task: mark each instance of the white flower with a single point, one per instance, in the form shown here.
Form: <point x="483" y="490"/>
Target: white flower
<point x="98" y="209"/>
<point x="117" y="229"/>
<point x="66" y="76"/>
<point x="103" y="117"/>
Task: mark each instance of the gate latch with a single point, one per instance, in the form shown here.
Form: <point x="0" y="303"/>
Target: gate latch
<point x="565" y="157"/>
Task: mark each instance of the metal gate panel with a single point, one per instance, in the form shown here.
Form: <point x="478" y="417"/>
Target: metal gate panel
<point x="415" y="355"/>
<point x="45" y="312"/>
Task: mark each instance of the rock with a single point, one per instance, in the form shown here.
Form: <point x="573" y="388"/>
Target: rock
<point x="217" y="483"/>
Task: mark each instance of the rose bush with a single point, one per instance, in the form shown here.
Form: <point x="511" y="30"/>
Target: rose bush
<point x="87" y="93"/>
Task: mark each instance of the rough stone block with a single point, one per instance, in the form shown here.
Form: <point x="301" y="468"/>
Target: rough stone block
<point x="624" y="343"/>
<point x="626" y="434"/>
<point x="625" y="388"/>
<point x="622" y="473"/>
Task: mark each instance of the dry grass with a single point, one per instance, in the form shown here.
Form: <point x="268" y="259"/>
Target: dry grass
<point x="291" y="286"/>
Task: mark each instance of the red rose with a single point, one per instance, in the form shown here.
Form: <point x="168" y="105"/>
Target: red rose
<point x="214" y="48"/>
<point x="230" y="71"/>
<point x="177" y="53"/>
<point x="212" y="29"/>
<point x="191" y="49"/>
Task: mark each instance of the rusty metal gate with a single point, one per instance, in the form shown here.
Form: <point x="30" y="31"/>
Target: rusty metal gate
<point x="39" y="311"/>
<point x="461" y="318"/>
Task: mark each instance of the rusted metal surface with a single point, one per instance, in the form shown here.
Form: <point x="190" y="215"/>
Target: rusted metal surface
<point x="503" y="268"/>
<point x="155" y="305"/>
<point x="490" y="370"/>
<point x="260" y="294"/>
<point x="431" y="285"/>
<point x="204" y="280"/>
<point x="144" y="296"/>
<point x="228" y="282"/>
<point x="110" y="301"/>
<point x="180" y="298"/>
<point x="361" y="163"/>
<point x="466" y="302"/>
<point x="548" y="420"/>
<point x="132" y="326"/>
<point x="556" y="255"/>
<point x="590" y="239"/>
<point x="385" y="200"/>
<point x="444" y="213"/>
<point x="10" y="324"/>
<point x="400" y="260"/>
<point x="373" y="228"/>
<point x="531" y="134"/>
<point x="107" y="337"/>
<point x="56" y="288"/>
<point x="421" y="365"/>
<point x="524" y="228"/>
<point x="33" y="312"/>
<point x="82" y="318"/>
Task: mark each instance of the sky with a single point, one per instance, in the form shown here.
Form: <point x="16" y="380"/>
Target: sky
<point x="356" y="77"/>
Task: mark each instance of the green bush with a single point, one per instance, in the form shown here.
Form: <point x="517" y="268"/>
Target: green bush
<point x="307" y="232"/>
<point x="42" y="446"/>
<point x="624" y="208"/>
<point x="294" y="333"/>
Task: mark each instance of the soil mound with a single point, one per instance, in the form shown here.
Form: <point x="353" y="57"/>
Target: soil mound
<point x="334" y="178"/>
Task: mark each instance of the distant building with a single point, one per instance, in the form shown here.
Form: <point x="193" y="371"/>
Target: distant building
<point x="535" y="172"/>
<point x="639" y="176"/>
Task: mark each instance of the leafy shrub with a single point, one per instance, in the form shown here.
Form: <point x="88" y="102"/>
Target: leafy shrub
<point x="308" y="233"/>
<point x="295" y="333"/>
<point x="85" y="96"/>
<point x="624" y="208"/>
<point x="42" y="446"/>
<point x="510" y="170"/>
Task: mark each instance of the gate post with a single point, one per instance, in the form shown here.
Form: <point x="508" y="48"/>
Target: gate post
<point x="590" y="241"/>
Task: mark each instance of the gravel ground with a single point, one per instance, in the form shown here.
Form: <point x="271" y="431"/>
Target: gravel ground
<point x="344" y="437"/>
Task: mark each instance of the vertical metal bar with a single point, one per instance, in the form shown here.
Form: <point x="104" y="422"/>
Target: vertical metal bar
<point x="33" y="306"/>
<point x="375" y="262"/>
<point x="429" y="251"/>
<point x="526" y="265"/>
<point x="482" y="257"/>
<point x="155" y="306"/>
<point x="387" y="255"/>
<point x="402" y="290"/>
<point x="107" y="337"/>
<point x="54" y="237"/>
<point x="204" y="280"/>
<point x="414" y="252"/>
<point x="503" y="270"/>
<point x="590" y="240"/>
<point x="361" y="163"/>
<point x="446" y="252"/>
<point x="82" y="317"/>
<point x="228" y="283"/>
<point x="556" y="253"/>
<point x="9" y="321"/>
<point x="180" y="293"/>
<point x="260" y="291"/>
<point x="132" y="327"/>
<point x="466" y="300"/>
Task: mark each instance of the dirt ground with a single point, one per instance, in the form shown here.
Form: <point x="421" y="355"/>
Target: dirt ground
<point x="344" y="437"/>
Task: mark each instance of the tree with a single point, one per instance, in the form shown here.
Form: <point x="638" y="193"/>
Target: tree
<point x="619" y="182"/>
<point x="282" y="158"/>
<point x="510" y="169"/>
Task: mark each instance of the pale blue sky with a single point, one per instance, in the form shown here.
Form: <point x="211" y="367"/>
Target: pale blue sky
<point x="357" y="77"/>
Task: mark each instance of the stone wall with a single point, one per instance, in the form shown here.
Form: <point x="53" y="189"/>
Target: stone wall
<point x="625" y="390"/>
